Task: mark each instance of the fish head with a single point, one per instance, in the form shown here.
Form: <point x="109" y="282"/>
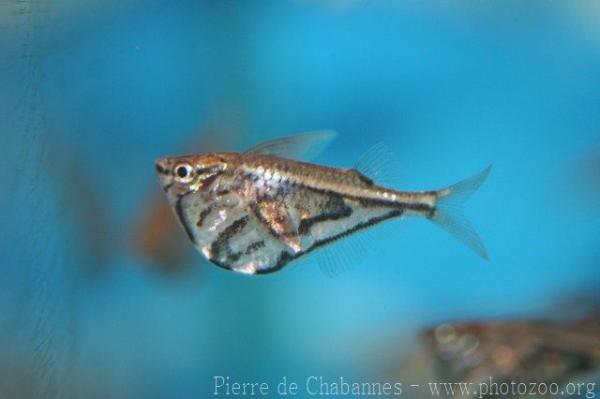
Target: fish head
<point x="189" y="173"/>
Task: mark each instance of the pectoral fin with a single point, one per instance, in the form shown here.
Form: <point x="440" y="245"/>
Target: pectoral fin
<point x="275" y="217"/>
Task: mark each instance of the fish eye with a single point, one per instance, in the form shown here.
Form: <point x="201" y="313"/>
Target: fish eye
<point x="184" y="172"/>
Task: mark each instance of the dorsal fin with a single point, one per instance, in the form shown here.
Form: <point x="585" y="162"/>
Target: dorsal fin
<point x="300" y="147"/>
<point x="379" y="165"/>
<point x="365" y="179"/>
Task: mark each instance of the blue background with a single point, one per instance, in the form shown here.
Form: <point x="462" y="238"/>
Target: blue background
<point x="93" y="92"/>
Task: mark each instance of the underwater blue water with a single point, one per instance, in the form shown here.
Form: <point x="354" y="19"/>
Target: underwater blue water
<point x="93" y="93"/>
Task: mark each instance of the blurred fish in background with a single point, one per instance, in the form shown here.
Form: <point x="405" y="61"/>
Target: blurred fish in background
<point x="84" y="204"/>
<point x="521" y="351"/>
<point x="564" y="348"/>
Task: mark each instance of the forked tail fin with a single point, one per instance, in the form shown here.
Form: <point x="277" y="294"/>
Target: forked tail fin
<point x="449" y="211"/>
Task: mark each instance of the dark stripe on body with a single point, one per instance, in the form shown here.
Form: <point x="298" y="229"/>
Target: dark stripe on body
<point x="179" y="212"/>
<point x="286" y="257"/>
<point x="203" y="215"/>
<point x="373" y="202"/>
<point x="255" y="246"/>
<point x="167" y="187"/>
<point x="222" y="241"/>
<point x="365" y="202"/>
<point x="334" y="209"/>
<point x="262" y="220"/>
<point x="360" y="226"/>
<point x="235" y="256"/>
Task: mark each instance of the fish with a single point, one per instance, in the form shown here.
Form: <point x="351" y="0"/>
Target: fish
<point x="515" y="350"/>
<point x="255" y="211"/>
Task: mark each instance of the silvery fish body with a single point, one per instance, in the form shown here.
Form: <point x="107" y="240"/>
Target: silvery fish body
<point x="254" y="212"/>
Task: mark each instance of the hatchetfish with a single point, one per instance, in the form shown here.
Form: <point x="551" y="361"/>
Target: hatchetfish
<point x="255" y="211"/>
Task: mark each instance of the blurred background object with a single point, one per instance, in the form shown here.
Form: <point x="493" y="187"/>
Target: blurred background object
<point x="92" y="92"/>
<point x="586" y="172"/>
<point x="515" y="350"/>
<point x="561" y="347"/>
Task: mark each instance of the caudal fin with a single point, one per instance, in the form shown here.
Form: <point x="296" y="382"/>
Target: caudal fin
<point x="449" y="211"/>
